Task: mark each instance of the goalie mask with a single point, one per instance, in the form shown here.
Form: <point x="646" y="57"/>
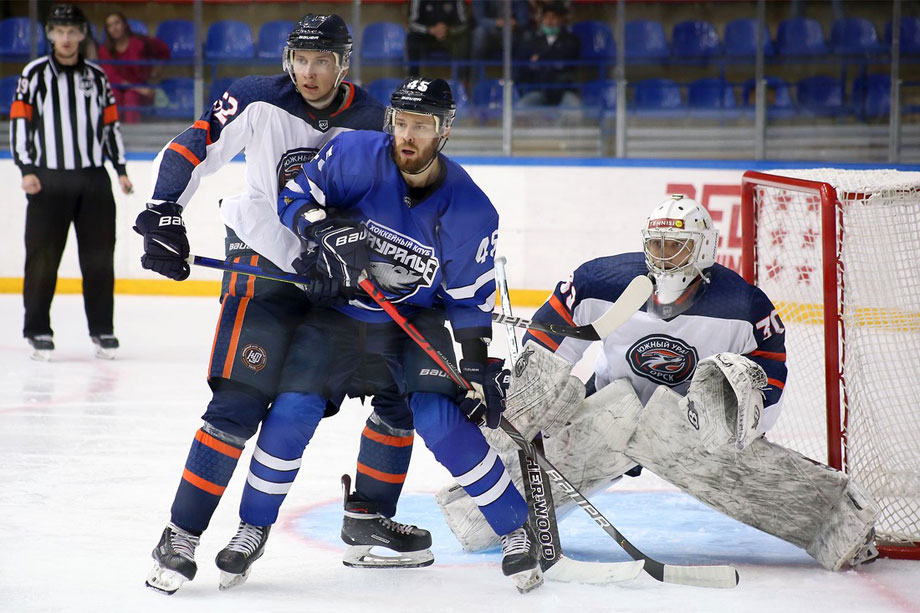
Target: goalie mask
<point x="326" y="33"/>
<point x="680" y="244"/>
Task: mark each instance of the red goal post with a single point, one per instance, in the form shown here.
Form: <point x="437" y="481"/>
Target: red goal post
<point x="838" y="252"/>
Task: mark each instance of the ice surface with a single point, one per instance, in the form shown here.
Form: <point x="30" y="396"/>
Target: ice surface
<point x="90" y="457"/>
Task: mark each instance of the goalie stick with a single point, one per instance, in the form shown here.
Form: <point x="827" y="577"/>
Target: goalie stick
<point x="555" y="565"/>
<point x="639" y="289"/>
<point x="701" y="576"/>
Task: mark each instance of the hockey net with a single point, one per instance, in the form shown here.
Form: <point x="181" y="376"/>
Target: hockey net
<point x="838" y="252"/>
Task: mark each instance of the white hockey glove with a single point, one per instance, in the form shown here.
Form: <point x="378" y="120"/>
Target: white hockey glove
<point x="725" y="401"/>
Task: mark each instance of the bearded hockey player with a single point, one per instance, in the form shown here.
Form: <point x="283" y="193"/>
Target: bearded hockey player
<point x="686" y="388"/>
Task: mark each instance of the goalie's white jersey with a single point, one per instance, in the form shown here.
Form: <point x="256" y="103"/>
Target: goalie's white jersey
<point x="729" y="315"/>
<point x="266" y="117"/>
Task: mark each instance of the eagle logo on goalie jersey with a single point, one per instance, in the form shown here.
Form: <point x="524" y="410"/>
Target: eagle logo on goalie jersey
<point x="662" y="359"/>
<point x="402" y="264"/>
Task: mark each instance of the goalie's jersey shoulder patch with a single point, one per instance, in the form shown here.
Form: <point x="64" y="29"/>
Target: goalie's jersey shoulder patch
<point x="662" y="359"/>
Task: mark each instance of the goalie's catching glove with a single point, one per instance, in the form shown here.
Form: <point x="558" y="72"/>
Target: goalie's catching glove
<point x="165" y="243"/>
<point x="483" y="405"/>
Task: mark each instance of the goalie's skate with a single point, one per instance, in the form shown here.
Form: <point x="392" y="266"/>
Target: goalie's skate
<point x="175" y="560"/>
<point x="521" y="559"/>
<point x="106" y="344"/>
<point x="42" y="346"/>
<point x="236" y="559"/>
<point x="364" y="530"/>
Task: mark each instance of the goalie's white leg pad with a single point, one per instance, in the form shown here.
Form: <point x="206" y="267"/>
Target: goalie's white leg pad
<point x="543" y="395"/>
<point x="847" y="535"/>
<point x="766" y="486"/>
<point x="584" y="451"/>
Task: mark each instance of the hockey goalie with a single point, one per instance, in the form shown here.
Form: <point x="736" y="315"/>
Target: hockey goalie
<point x="687" y="388"/>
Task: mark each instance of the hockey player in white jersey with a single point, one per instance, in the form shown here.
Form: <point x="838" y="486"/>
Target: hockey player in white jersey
<point x="280" y="122"/>
<point x="687" y="388"/>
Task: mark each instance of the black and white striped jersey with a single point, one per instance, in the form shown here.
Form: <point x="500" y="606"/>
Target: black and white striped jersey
<point x="64" y="118"/>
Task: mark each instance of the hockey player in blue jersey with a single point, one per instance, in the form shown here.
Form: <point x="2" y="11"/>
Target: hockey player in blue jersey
<point x="687" y="388"/>
<point x="280" y="122"/>
<point x="393" y="207"/>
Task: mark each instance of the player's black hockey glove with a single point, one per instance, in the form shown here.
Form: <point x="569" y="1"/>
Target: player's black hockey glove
<point x="321" y="290"/>
<point x="342" y="247"/>
<point x="484" y="404"/>
<point x="165" y="243"/>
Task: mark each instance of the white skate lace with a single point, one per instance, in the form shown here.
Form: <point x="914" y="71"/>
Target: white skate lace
<point x="515" y="542"/>
<point x="395" y="526"/>
<point x="246" y="540"/>
<point x="183" y="543"/>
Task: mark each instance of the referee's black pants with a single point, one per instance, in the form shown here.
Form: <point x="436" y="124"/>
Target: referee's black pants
<point x="82" y="197"/>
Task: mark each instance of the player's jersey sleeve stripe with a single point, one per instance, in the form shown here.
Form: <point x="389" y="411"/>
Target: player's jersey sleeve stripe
<point x="544" y="339"/>
<point x="204" y="125"/>
<point x="185" y="152"/>
<point x="561" y="310"/>
<point x="392" y="441"/>
<point x="380" y="475"/>
<point x="203" y="484"/>
<point x="218" y="445"/>
<point x="468" y="291"/>
<point x="770" y="355"/>
<point x="776" y="383"/>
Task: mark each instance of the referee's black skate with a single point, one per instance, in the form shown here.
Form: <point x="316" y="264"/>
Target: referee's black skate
<point x="106" y="344"/>
<point x="235" y="560"/>
<point x="175" y="560"/>
<point x="521" y="559"/>
<point x="42" y="346"/>
<point x="364" y="529"/>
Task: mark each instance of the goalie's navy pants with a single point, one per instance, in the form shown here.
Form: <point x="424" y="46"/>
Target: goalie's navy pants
<point x="83" y="198"/>
<point x="339" y="346"/>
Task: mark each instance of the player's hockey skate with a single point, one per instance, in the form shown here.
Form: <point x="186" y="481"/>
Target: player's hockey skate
<point x="235" y="560"/>
<point x="364" y="529"/>
<point x="42" y="346"/>
<point x="521" y="559"/>
<point x="106" y="344"/>
<point x="175" y="560"/>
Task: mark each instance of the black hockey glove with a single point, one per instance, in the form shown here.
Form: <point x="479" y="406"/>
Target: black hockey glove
<point x="165" y="243"/>
<point x="484" y="404"/>
<point x="342" y="251"/>
<point x="321" y="290"/>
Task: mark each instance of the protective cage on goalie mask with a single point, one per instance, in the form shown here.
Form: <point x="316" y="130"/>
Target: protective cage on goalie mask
<point x="424" y="97"/>
<point x="66" y="15"/>
<point x="324" y="33"/>
<point x="686" y="222"/>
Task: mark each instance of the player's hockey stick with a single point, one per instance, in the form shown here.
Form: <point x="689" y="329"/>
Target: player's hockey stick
<point x="641" y="286"/>
<point x="555" y="565"/>
<point x="701" y="576"/>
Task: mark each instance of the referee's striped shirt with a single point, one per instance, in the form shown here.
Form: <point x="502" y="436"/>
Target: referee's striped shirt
<point x="64" y="118"/>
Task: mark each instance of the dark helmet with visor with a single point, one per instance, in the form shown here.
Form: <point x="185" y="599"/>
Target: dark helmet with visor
<point x="66" y="15"/>
<point x="426" y="97"/>
<point x="319" y="33"/>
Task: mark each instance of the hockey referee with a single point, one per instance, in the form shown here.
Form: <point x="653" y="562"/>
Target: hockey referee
<point x="64" y="123"/>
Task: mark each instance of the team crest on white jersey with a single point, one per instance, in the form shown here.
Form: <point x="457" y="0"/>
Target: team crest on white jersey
<point x="323" y="124"/>
<point x="291" y="163"/>
<point x="662" y="359"/>
<point x="402" y="265"/>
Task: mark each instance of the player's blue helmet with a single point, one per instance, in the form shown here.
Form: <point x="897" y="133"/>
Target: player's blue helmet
<point x="680" y="244"/>
<point x="319" y="33"/>
<point x="426" y="97"/>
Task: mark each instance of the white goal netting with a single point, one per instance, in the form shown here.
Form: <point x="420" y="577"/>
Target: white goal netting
<point x="878" y="297"/>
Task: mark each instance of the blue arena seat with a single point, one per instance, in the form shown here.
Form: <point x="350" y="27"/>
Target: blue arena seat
<point x="740" y="38"/>
<point x="272" y="39"/>
<point x="461" y="98"/>
<point x="855" y="35"/>
<point x="820" y="95"/>
<point x="383" y="42"/>
<point x="910" y="35"/>
<point x="180" y="91"/>
<point x="489" y="96"/>
<point x="14" y="38"/>
<point x="595" y="41"/>
<point x="217" y="89"/>
<point x="229" y="40"/>
<point x="381" y="89"/>
<point x="657" y="96"/>
<point x="138" y="27"/>
<point x="711" y="96"/>
<point x="779" y="97"/>
<point x="871" y="96"/>
<point x="7" y="93"/>
<point x="645" y="40"/>
<point x="800" y="37"/>
<point x="179" y="36"/>
<point x="695" y="39"/>
<point x="599" y="93"/>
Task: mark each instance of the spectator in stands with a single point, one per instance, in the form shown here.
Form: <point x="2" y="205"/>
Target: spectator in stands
<point x="489" y="17"/>
<point x="438" y="30"/>
<point x="550" y="49"/>
<point x="130" y="82"/>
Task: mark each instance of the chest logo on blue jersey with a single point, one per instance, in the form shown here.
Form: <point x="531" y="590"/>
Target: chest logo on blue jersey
<point x="662" y="359"/>
<point x="291" y="163"/>
<point x="399" y="263"/>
